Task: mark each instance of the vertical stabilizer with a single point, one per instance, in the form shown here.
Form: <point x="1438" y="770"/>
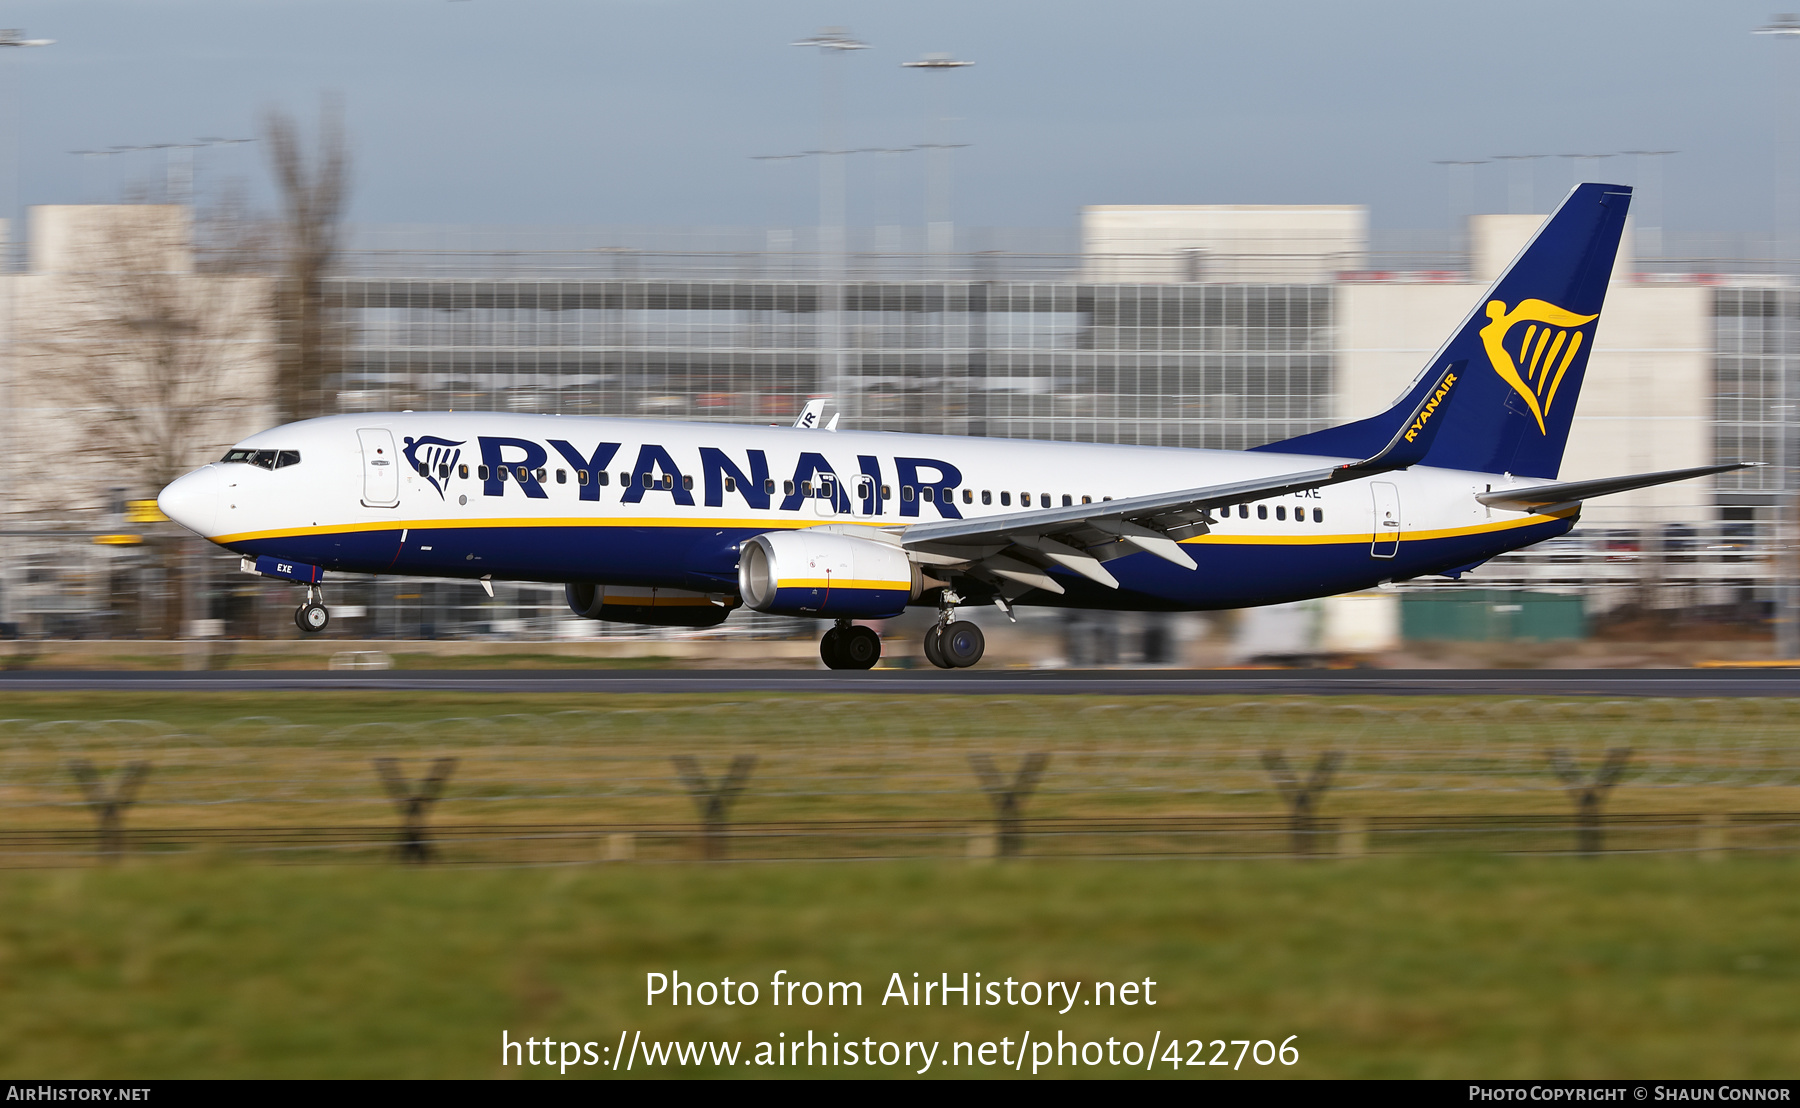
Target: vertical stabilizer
<point x="1527" y="344"/>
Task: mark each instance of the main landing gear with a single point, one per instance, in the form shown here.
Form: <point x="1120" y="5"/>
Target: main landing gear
<point x="953" y="643"/>
<point x="311" y="615"/>
<point x="848" y="646"/>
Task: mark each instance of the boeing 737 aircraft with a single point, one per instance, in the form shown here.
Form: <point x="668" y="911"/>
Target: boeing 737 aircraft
<point x="679" y="524"/>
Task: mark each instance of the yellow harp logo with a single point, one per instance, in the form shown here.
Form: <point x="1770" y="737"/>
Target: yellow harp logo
<point x="1544" y="354"/>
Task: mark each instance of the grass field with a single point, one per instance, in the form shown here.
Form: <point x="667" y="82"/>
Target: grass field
<point x="1436" y="967"/>
<point x="1433" y="964"/>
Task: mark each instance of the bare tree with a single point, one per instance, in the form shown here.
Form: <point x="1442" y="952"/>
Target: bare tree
<point x="154" y="360"/>
<point x="150" y="367"/>
<point x="313" y="183"/>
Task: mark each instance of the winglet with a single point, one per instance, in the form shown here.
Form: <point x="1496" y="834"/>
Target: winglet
<point x="1413" y="441"/>
<point x="809" y="415"/>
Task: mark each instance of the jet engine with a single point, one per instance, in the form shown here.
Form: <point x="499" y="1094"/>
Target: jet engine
<point x="658" y="607"/>
<point x="813" y="573"/>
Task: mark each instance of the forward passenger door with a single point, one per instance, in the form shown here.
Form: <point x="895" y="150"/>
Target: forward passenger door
<point x="381" y="467"/>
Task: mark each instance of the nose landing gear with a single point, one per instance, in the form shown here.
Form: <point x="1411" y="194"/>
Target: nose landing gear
<point x="953" y="643"/>
<point x="848" y="646"/>
<point x="311" y="616"/>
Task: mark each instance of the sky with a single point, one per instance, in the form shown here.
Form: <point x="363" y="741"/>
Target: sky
<point x="653" y="112"/>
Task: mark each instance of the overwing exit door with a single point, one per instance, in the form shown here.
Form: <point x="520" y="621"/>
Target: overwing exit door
<point x="1386" y="539"/>
<point x="381" y="467"/>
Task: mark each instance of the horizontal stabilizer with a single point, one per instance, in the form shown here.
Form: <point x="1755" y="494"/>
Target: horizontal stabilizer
<point x="1570" y="492"/>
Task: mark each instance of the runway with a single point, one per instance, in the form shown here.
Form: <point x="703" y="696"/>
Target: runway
<point x="1000" y="682"/>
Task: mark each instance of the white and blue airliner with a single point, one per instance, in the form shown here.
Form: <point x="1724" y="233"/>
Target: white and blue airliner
<point x="679" y="524"/>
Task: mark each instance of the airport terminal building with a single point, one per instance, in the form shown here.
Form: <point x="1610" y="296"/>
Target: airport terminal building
<point x="1188" y="326"/>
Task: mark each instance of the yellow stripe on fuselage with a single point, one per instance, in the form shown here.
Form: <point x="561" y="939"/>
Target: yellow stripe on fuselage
<point x="654" y="523"/>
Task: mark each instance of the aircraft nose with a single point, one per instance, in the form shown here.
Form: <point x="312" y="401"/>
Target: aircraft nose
<point x="192" y="500"/>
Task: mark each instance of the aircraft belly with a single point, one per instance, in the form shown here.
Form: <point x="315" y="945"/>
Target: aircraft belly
<point x="1244" y="575"/>
<point x="1230" y="574"/>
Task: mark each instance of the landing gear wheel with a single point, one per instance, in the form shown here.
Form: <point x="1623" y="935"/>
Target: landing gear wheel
<point x="934" y="646"/>
<point x="311" y="618"/>
<point x="859" y="648"/>
<point x="831" y="649"/>
<point x="961" y="644"/>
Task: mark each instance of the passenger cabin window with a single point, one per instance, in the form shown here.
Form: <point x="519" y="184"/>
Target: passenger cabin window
<point x="787" y="488"/>
<point x="687" y="482"/>
<point x="731" y="484"/>
<point x="668" y="480"/>
<point x="886" y="492"/>
<point x="562" y="476"/>
<point x="542" y="475"/>
<point x="1006" y="499"/>
<point x="463" y="472"/>
<point x="444" y="470"/>
<point x="928" y="494"/>
<point x="987" y="496"/>
<point x="1318" y="515"/>
<point x="806" y="488"/>
<point x="906" y="493"/>
<point x="482" y="472"/>
<point x="968" y="496"/>
<point x="768" y="486"/>
<point x="1262" y="511"/>
<point x="1044" y="500"/>
<point x="524" y="474"/>
<point x="1068" y="501"/>
<point x="1280" y="511"/>
<point x="603" y="477"/>
<point x="624" y="479"/>
<point x="1087" y="500"/>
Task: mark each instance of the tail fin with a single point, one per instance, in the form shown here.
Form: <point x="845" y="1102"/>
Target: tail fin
<point x="1526" y="344"/>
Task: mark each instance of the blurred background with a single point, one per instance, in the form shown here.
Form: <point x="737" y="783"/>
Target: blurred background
<point x="1211" y="229"/>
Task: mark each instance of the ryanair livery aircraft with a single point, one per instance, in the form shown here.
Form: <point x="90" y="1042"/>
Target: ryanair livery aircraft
<point x="681" y="523"/>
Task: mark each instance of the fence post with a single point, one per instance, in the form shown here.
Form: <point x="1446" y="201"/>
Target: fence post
<point x="1715" y="838"/>
<point x="1008" y="797"/>
<point x="415" y="805"/>
<point x="1301" y="796"/>
<point x="714" y="799"/>
<point x="109" y="808"/>
<point x="1589" y="794"/>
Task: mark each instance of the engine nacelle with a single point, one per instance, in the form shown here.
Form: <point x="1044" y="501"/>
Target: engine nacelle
<point x="812" y="573"/>
<point x="656" y="607"/>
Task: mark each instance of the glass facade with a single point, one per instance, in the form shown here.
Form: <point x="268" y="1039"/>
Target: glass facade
<point x="1168" y="365"/>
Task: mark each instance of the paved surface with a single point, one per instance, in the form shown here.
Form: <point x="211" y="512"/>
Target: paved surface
<point x="1647" y="682"/>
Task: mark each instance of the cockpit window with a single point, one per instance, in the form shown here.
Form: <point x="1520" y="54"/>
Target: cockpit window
<point x="263" y="459"/>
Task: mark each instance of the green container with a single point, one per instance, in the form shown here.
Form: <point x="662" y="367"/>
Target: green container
<point x="1491" y="615"/>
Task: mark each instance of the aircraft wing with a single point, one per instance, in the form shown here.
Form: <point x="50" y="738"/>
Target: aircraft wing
<point x="1572" y="492"/>
<point x="1020" y="547"/>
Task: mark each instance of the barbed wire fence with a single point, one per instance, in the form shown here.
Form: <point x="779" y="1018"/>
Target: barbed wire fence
<point x="772" y="779"/>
